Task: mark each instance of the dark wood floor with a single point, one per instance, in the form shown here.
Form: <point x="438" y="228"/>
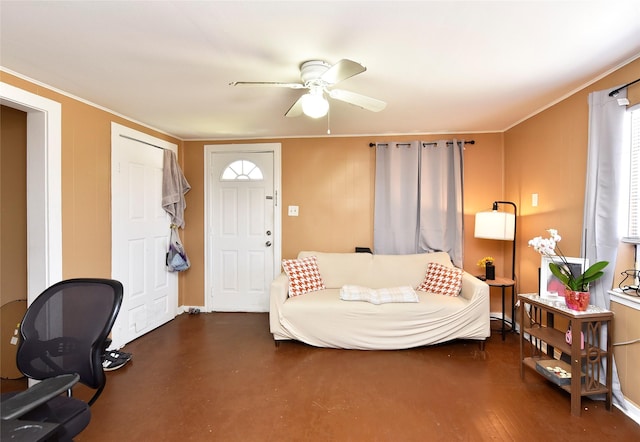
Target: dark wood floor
<point x="218" y="376"/>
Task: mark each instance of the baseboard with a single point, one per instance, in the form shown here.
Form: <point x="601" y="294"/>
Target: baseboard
<point x="497" y="316"/>
<point x="189" y="309"/>
<point x="632" y="410"/>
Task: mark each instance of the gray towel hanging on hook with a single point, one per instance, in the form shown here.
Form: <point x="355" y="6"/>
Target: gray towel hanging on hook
<point x="174" y="187"/>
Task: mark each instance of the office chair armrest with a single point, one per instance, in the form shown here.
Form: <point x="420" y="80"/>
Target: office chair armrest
<point x="37" y="395"/>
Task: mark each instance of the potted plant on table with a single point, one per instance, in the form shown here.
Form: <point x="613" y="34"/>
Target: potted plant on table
<point x="576" y="286"/>
<point x="489" y="269"/>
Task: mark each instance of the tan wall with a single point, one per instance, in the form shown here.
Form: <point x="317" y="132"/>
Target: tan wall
<point x="547" y="154"/>
<point x="331" y="179"/>
<point x="86" y="181"/>
<point x="626" y="328"/>
<point x="336" y="206"/>
<point x="13" y="205"/>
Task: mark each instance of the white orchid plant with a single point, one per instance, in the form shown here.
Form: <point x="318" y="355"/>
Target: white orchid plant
<point x="559" y="265"/>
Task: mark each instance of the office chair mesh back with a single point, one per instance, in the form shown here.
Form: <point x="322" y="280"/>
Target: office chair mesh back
<point x="65" y="328"/>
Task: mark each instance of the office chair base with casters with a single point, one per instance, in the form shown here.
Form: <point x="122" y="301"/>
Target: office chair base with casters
<point x="40" y="411"/>
<point x="71" y="416"/>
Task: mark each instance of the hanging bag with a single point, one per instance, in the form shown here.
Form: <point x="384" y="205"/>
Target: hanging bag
<point x="177" y="260"/>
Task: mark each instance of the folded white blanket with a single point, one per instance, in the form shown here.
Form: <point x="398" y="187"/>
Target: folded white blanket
<point x="378" y="296"/>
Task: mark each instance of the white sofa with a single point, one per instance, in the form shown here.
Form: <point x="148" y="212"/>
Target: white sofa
<point x="320" y="318"/>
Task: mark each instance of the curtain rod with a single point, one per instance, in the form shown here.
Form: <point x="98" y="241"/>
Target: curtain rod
<point x="449" y="143"/>
<point x="615" y="92"/>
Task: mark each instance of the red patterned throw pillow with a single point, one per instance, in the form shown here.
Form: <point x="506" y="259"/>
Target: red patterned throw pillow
<point x="442" y="280"/>
<point x="304" y="276"/>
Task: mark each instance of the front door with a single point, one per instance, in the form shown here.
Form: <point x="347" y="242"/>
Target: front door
<point x="140" y="235"/>
<point x="241" y="230"/>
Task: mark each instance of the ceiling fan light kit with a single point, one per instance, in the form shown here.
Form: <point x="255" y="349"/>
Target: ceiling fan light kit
<point x="314" y="104"/>
<point x="318" y="77"/>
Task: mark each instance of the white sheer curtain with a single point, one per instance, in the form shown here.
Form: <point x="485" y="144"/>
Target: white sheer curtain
<point x="602" y="196"/>
<point x="419" y="199"/>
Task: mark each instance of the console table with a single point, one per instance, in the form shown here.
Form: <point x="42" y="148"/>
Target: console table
<point x="586" y="363"/>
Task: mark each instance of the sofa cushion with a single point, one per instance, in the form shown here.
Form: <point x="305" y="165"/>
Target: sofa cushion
<point x="442" y="280"/>
<point x="304" y="276"/>
<point x="322" y="319"/>
<point x="375" y="271"/>
<point x="378" y="296"/>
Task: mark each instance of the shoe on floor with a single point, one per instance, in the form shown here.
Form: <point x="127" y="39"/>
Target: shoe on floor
<point x="113" y="360"/>
<point x="117" y="354"/>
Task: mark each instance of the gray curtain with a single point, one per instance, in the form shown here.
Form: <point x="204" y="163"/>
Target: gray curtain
<point x="441" y="196"/>
<point x="395" y="225"/>
<point x="419" y="198"/>
<point x="602" y="196"/>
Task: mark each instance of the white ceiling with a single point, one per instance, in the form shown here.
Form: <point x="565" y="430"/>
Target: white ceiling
<point x="442" y="66"/>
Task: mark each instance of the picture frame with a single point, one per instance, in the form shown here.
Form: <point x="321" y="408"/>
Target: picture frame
<point x="549" y="285"/>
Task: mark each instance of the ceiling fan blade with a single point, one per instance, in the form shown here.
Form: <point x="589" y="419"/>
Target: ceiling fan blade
<point x="267" y="84"/>
<point x="362" y="101"/>
<point x="342" y="70"/>
<point x="296" y="108"/>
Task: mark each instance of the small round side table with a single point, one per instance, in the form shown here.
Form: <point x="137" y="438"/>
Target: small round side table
<point x="503" y="283"/>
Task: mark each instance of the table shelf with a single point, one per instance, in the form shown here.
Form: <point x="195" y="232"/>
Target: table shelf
<point x="551" y="336"/>
<point x="531" y="362"/>
<point x="587" y="361"/>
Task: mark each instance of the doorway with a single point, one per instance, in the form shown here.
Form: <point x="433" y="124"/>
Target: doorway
<point x="44" y="194"/>
<point x="242" y="225"/>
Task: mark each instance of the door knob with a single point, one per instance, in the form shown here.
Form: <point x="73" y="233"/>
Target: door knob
<point x="268" y="232"/>
<point x="268" y="244"/>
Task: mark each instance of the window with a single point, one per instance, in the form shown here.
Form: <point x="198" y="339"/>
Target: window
<point x="633" y="219"/>
<point x="634" y="175"/>
<point x="242" y="170"/>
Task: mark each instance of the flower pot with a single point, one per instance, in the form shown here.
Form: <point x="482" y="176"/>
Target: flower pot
<point x="490" y="271"/>
<point x="576" y="300"/>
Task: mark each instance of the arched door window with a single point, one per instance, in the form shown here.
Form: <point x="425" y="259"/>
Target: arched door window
<point x="242" y="170"/>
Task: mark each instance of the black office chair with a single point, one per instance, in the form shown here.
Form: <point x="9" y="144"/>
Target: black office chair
<point x="63" y="338"/>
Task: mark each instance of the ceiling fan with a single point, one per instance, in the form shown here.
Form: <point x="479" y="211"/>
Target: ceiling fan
<point x="318" y="77"/>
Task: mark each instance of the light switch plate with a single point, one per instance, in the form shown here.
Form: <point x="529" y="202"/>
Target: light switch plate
<point x="293" y="210"/>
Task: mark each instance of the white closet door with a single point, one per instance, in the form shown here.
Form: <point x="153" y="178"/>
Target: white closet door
<point x="140" y="235"/>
